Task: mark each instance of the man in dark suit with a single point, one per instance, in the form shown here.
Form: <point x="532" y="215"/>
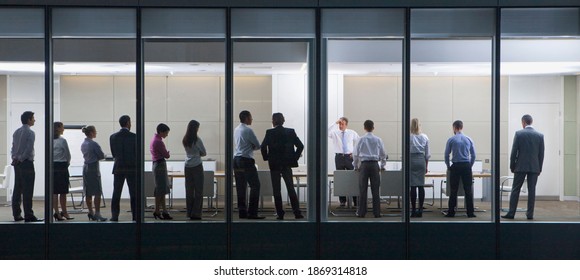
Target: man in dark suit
<point x="526" y="160"/>
<point x="123" y="149"/>
<point x="278" y="149"/>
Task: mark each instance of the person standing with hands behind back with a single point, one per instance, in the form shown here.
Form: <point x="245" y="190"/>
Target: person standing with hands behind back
<point x="343" y="141"/>
<point x="526" y="160"/>
<point x="278" y="149"/>
<point x="92" y="153"/>
<point x="368" y="151"/>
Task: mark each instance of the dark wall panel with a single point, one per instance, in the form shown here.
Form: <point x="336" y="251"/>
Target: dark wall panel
<point x="193" y="241"/>
<point x="362" y="241"/>
<point x="81" y="241"/>
<point x="456" y="241"/>
<point x="274" y="241"/>
<point x="540" y="241"/>
<point x="22" y="241"/>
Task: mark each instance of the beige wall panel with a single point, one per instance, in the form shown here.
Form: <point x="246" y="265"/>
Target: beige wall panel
<point x="3" y="98"/>
<point x="125" y="101"/>
<point x="570" y="138"/>
<point x="193" y="98"/>
<point x="86" y="99"/>
<point x="472" y="99"/>
<point x="431" y="98"/>
<point x="480" y="133"/>
<point x="155" y="99"/>
<point x="387" y="131"/>
<point x="373" y="98"/>
<point x="438" y="133"/>
<point x="504" y="145"/>
<point x="504" y="165"/>
<point x="3" y="143"/>
<point x="223" y="99"/>
<point x="255" y="95"/>
<point x="504" y="99"/>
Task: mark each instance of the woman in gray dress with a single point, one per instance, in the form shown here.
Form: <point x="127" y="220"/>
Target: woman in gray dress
<point x="92" y="153"/>
<point x="419" y="160"/>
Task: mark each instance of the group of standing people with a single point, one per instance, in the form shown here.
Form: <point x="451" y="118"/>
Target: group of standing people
<point x="281" y="147"/>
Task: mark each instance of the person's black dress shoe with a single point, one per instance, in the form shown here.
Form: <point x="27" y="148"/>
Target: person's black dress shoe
<point x="299" y="216"/>
<point x="449" y="215"/>
<point x="114" y="219"/>
<point x="256" y="217"/>
<point x="280" y="218"/>
<point x="530" y="218"/>
<point x="471" y="216"/>
<point x="195" y="218"/>
<point x="32" y="219"/>
<point x="508" y="217"/>
<point x="18" y="219"/>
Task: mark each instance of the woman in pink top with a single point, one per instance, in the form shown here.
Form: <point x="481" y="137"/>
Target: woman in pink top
<point x="158" y="154"/>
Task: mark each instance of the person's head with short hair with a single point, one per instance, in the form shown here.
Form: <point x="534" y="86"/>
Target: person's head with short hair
<point x="457" y="126"/>
<point x="90" y="131"/>
<point x="415" y="126"/>
<point x="162" y="130"/>
<point x="246" y="117"/>
<point x="369" y="126"/>
<point x="278" y="119"/>
<point x="527" y="120"/>
<point x="125" y="121"/>
<point x="342" y="123"/>
<point x="58" y="129"/>
<point x="27" y="118"/>
<point x="190" y="136"/>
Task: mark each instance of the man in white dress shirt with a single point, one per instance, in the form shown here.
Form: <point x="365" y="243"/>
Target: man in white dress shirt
<point x="343" y="141"/>
<point x="368" y="151"/>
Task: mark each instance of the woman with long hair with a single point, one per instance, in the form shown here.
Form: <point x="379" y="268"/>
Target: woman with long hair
<point x="158" y="155"/>
<point x="193" y="170"/>
<point x="61" y="161"/>
<point x="92" y="153"/>
<point x="419" y="161"/>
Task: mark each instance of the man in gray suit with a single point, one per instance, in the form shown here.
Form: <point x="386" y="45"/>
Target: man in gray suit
<point x="526" y="160"/>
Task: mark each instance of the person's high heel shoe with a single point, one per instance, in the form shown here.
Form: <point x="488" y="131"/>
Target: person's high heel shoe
<point x="166" y="216"/>
<point x="58" y="217"/>
<point x="97" y="217"/>
<point x="91" y="217"/>
<point x="156" y="215"/>
<point x="66" y="216"/>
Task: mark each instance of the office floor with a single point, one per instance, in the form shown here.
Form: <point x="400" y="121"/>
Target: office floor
<point x="545" y="211"/>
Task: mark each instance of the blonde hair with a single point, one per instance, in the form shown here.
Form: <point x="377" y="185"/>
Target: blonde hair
<point x="415" y="128"/>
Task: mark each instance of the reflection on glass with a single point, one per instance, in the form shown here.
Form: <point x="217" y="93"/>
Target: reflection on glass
<point x="270" y="78"/>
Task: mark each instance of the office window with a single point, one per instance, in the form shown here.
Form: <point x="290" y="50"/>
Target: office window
<point x="540" y="62"/>
<point x="364" y="80"/>
<point x="185" y="86"/>
<point x="22" y="89"/>
<point x="94" y="85"/>
<point x="272" y="52"/>
<point x="451" y="81"/>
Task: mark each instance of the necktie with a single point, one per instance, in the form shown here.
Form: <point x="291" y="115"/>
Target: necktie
<point x="343" y="143"/>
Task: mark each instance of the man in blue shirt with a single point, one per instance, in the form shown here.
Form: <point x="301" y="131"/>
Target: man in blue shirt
<point x="463" y="159"/>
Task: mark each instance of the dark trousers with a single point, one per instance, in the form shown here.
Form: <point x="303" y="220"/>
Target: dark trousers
<point x="23" y="189"/>
<point x="369" y="170"/>
<point x="344" y="162"/>
<point x="519" y="178"/>
<point x="194" y="190"/>
<point x="461" y="170"/>
<point x="245" y="173"/>
<point x="284" y="172"/>
<point x="118" y="182"/>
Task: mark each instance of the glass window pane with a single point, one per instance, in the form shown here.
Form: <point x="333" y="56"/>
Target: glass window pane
<point x="273" y="23"/>
<point x="364" y="82"/>
<point x="94" y="23"/>
<point x="451" y="81"/>
<point x="540" y="62"/>
<point x="183" y="23"/>
<point x="22" y="89"/>
<point x="92" y="90"/>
